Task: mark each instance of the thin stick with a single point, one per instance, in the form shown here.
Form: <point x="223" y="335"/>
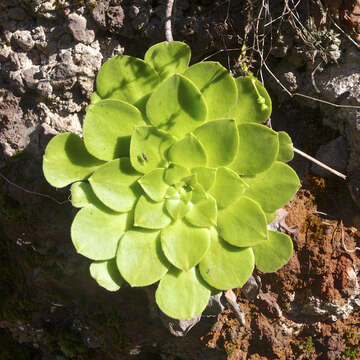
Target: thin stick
<point x="337" y="173"/>
<point x="168" y="14"/>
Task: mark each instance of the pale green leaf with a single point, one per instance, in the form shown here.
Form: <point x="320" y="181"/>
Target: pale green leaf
<point x="148" y="146"/>
<point x="221" y="141"/>
<point x="168" y="58"/>
<point x="228" y="187"/>
<point x="66" y="160"/>
<point x="106" y="274"/>
<point x="258" y="149"/>
<point x="273" y="188"/>
<point x="225" y="266"/>
<point x="150" y="214"/>
<point x="126" y="78"/>
<point x="108" y="126"/>
<point x="182" y="294"/>
<point x="95" y="98"/>
<point x="154" y="185"/>
<point x="115" y="184"/>
<point x="140" y="258"/>
<point x="82" y="195"/>
<point x="253" y="103"/>
<point x="286" y="152"/>
<point x="96" y="232"/>
<point x="177" y="208"/>
<point x="175" y="173"/>
<point x="243" y="223"/>
<point x="176" y="106"/>
<point x="273" y="254"/>
<point x="270" y="217"/>
<point x="205" y="176"/>
<point x="203" y="213"/>
<point x="184" y="245"/>
<point x="217" y="86"/>
<point x="187" y="152"/>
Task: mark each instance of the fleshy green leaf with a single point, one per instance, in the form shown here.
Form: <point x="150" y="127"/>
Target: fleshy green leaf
<point x="106" y="274"/>
<point x="177" y="208"/>
<point x="225" y="266"/>
<point x="258" y="149"/>
<point x="217" y="86"/>
<point x="126" y="78"/>
<point x="154" y="185"/>
<point x="187" y="152"/>
<point x="253" y="103"/>
<point x="95" y="233"/>
<point x="270" y="217"/>
<point x="95" y="98"/>
<point x="108" y="126"/>
<point x="150" y="214"/>
<point x="228" y="187"/>
<point x="168" y="58"/>
<point x="140" y="258"/>
<point x="221" y="141"/>
<point x="203" y="213"/>
<point x="286" y="152"/>
<point x="182" y="294"/>
<point x="148" y="147"/>
<point x="273" y="188"/>
<point x="115" y="184"/>
<point x="176" y="106"/>
<point x="271" y="255"/>
<point x="82" y="195"/>
<point x="205" y="176"/>
<point x="198" y="193"/>
<point x="243" y="223"/>
<point x="184" y="245"/>
<point x="66" y="160"/>
<point x="175" y="173"/>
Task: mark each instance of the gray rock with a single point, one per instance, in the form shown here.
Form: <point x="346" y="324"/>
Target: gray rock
<point x="28" y="76"/>
<point x="116" y="18"/>
<point x="99" y="13"/>
<point x="4" y="51"/>
<point x="23" y="39"/>
<point x="44" y="88"/>
<point x="77" y="26"/>
<point x="17" y="13"/>
<point x="334" y="154"/>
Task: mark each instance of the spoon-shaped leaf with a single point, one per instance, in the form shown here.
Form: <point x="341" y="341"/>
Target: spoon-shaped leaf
<point x="115" y="184"/>
<point x="95" y="98"/>
<point x="243" y="223"/>
<point x="184" y="245"/>
<point x="95" y="233"/>
<point x="82" y="195"/>
<point x="106" y="274"/>
<point x="140" y="258"/>
<point x="126" y="78"/>
<point x="148" y="147"/>
<point x="273" y="188"/>
<point x="225" y="266"/>
<point x="150" y="214"/>
<point x="182" y="294"/>
<point x="176" y="106"/>
<point x="66" y="160"/>
<point x="205" y="176"/>
<point x="168" y="58"/>
<point x="228" y="187"/>
<point x="108" y="126"/>
<point x="271" y="255"/>
<point x="203" y="213"/>
<point x="188" y="152"/>
<point x="258" y="149"/>
<point x="175" y="173"/>
<point x="217" y="86"/>
<point x="154" y="185"/>
<point x="221" y="141"/>
<point x="177" y="208"/>
<point x="286" y="152"/>
<point x="253" y="103"/>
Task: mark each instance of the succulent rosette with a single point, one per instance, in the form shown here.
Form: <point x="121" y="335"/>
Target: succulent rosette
<point x="176" y="178"/>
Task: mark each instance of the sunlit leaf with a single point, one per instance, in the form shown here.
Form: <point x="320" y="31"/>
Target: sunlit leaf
<point x="205" y="176"/>
<point x="286" y="152"/>
<point x="106" y="274"/>
<point x="154" y="185"/>
<point x="203" y="213"/>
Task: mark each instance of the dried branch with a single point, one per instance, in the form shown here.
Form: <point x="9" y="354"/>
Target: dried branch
<point x="168" y="16"/>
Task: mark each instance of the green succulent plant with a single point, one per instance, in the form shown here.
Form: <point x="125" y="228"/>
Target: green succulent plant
<point x="176" y="178"/>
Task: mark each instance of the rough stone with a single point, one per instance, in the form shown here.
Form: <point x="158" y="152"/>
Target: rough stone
<point x="78" y="28"/>
<point x="99" y="13"/>
<point x="23" y="39"/>
<point x="116" y="18"/>
<point x="17" y="13"/>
